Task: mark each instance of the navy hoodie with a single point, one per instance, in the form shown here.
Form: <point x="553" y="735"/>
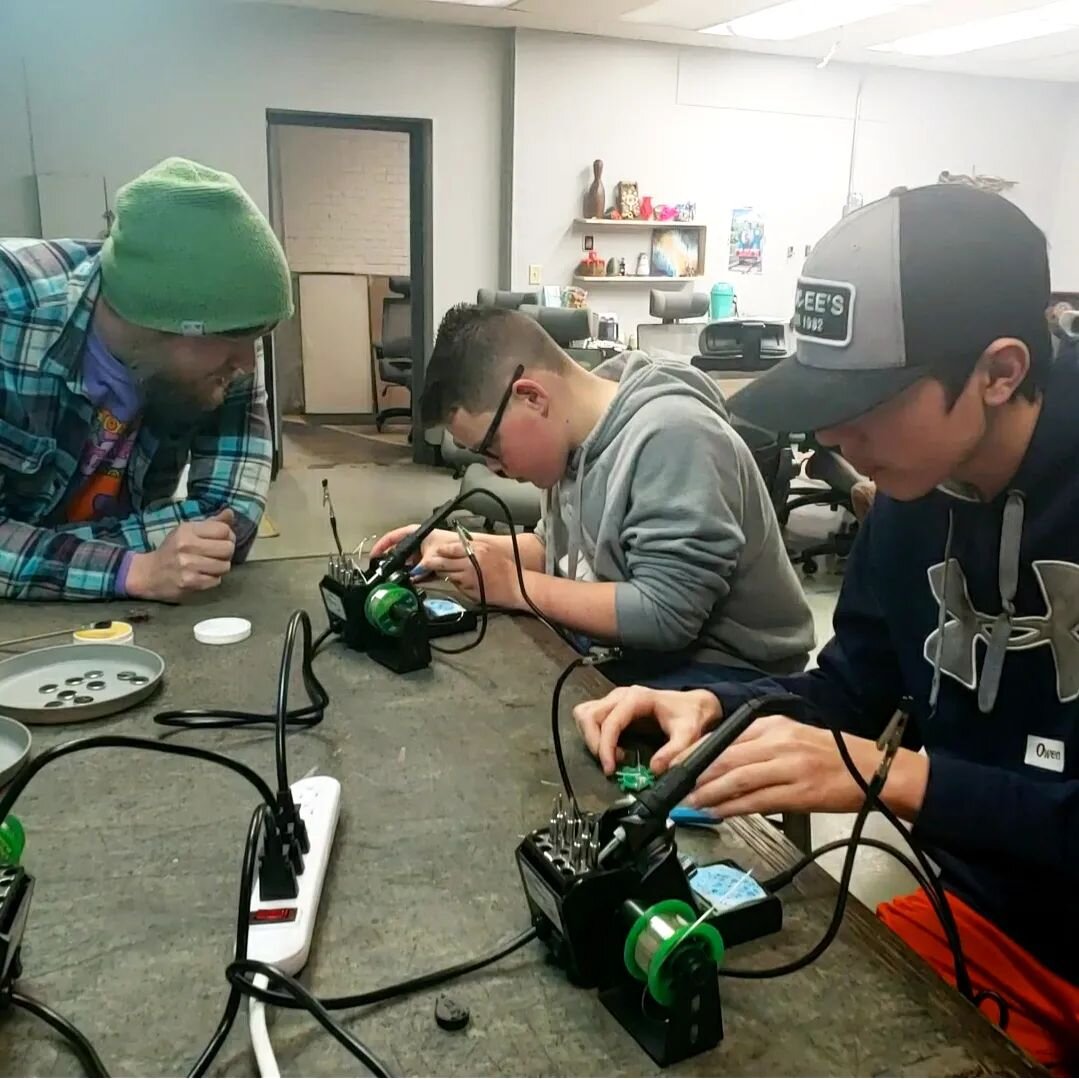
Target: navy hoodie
<point x="1001" y="811"/>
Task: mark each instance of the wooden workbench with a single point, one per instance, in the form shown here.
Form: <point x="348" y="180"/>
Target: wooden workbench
<point x="137" y="864"/>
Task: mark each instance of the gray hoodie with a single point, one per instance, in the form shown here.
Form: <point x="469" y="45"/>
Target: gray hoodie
<point x="665" y="499"/>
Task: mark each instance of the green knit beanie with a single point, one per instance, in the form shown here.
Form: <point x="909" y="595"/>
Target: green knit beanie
<point x="190" y="253"/>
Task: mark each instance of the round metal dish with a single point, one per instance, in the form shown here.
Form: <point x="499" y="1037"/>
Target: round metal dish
<point x="53" y="685"/>
<point x="14" y="748"/>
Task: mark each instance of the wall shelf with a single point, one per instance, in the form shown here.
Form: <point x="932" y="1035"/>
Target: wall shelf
<point x="633" y="279"/>
<point x="634" y="223"/>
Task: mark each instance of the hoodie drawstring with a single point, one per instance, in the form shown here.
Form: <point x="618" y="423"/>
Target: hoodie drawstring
<point x="1011" y="532"/>
<point x="942" y="615"/>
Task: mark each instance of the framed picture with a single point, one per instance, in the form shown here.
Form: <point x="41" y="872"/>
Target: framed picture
<point x="676" y="252"/>
<point x="747" y="241"/>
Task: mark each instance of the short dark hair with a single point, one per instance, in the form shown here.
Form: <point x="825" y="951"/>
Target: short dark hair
<point x="955" y="371"/>
<point x="475" y="353"/>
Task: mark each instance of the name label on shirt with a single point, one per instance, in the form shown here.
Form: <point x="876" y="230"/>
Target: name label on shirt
<point x="1047" y="753"/>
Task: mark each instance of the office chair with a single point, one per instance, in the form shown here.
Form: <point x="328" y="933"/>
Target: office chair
<point x="489" y="297"/>
<point x="394" y="352"/>
<point x="669" y="334"/>
<point x="743" y="345"/>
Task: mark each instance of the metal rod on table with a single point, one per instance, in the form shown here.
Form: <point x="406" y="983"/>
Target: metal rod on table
<point x="54" y="633"/>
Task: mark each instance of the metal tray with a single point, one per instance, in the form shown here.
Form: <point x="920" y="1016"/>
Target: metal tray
<point x="74" y="682"/>
<point x="14" y="748"/>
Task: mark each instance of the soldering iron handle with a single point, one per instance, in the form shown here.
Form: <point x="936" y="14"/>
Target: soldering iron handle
<point x="398" y="557"/>
<point x="654" y="805"/>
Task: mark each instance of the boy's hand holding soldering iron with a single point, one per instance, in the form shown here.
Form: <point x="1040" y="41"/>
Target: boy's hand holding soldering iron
<point x="443" y="555"/>
<point x="777" y="765"/>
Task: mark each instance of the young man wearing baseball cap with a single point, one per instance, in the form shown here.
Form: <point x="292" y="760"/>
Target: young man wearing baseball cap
<point x="924" y="355"/>
<point x="122" y="363"/>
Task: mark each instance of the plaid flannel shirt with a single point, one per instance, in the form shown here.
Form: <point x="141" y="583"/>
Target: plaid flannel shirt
<point x="47" y="294"/>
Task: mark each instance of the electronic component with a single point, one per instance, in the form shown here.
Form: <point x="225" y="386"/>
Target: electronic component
<point x="635" y="777"/>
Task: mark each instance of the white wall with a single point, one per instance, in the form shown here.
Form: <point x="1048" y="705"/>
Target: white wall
<point x="344" y="199"/>
<point x="1064" y="230"/>
<point x="727" y="129"/>
<point x="18" y="192"/>
<point x="116" y="86"/>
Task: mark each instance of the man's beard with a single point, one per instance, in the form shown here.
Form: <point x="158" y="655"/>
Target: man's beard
<point x="171" y="406"/>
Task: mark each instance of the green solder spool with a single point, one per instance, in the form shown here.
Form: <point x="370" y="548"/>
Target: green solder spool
<point x="389" y="607"/>
<point x="657" y="934"/>
<point x="12" y="841"/>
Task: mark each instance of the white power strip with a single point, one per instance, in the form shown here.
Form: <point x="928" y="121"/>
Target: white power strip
<point x="281" y="931"/>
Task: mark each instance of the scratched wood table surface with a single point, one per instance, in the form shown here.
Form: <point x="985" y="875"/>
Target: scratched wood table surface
<point x="137" y="863"/>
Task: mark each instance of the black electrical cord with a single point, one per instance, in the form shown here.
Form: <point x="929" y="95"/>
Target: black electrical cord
<point x="310" y="715"/>
<point x="80" y="1044"/>
<point x="239" y="947"/>
<point x="319" y="697"/>
<point x="838" y="911"/>
<point x="399" y="989"/>
<point x="781" y="880"/>
<point x="556" y="727"/>
<point x="120" y="741"/>
<point x="235" y="973"/>
<point x="942" y="906"/>
<point x="475" y="643"/>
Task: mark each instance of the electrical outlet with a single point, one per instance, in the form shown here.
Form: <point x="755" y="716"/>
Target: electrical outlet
<point x="535" y="273"/>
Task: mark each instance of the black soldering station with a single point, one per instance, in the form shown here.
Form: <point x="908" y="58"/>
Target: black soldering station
<point x="614" y="903"/>
<point x="379" y="609"/>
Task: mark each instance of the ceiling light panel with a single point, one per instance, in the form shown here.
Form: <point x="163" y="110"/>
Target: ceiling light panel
<point x="800" y="18"/>
<point x="1056" y="18"/>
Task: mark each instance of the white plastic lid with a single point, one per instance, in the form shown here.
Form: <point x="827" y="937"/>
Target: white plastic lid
<point x="222" y="630"/>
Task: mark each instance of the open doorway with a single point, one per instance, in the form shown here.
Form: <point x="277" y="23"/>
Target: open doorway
<point x="350" y="197"/>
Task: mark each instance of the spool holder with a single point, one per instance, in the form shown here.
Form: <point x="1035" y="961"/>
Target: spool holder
<point x="345" y="595"/>
<point x="587" y="914"/>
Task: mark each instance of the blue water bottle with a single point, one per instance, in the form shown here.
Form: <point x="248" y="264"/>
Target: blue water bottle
<point x="721" y="301"/>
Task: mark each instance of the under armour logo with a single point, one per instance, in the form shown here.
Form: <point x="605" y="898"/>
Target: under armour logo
<point x="964" y="626"/>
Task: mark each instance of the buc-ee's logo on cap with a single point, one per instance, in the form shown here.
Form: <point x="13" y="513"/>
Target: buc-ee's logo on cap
<point x="824" y="311"/>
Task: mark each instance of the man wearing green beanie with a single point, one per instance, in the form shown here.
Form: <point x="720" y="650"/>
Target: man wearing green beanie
<point x="120" y="364"/>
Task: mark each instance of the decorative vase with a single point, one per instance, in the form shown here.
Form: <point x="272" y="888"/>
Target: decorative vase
<point x="595" y="198"/>
<point x="643" y="264"/>
<point x="646" y="207"/>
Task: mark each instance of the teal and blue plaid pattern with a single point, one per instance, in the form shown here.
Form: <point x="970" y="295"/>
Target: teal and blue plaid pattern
<point x="47" y="293"/>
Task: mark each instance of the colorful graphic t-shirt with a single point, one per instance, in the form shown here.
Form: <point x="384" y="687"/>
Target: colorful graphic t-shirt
<point x="100" y="487"/>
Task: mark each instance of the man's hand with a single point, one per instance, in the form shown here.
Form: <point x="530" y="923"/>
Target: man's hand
<point x="683" y="717"/>
<point x="194" y="557"/>
<point x="436" y="538"/>
<point x="448" y="559"/>
<point x="780" y="765"/>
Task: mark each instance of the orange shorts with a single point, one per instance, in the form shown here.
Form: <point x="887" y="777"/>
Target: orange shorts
<point x="1043" y="1008"/>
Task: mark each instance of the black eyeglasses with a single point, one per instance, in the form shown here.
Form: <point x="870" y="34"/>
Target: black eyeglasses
<point x="484" y="448"/>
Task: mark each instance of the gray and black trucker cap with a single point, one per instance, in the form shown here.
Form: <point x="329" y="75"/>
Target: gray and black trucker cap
<point x="915" y="283"/>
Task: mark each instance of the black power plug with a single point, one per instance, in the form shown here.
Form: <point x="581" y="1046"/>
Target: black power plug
<point x="291" y="823"/>
<point x="278" y="865"/>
